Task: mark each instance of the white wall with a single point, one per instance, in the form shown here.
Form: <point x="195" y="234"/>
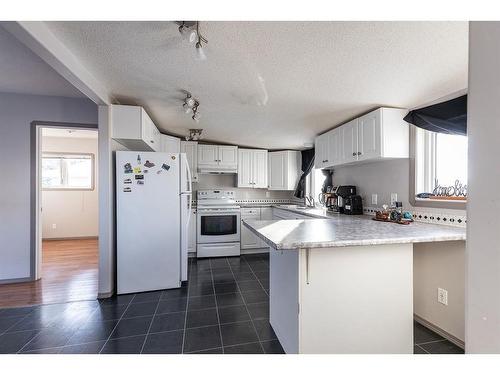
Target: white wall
<point x="75" y="213"/>
<point x="435" y="264"/>
<point x="440" y="266"/>
<point x="483" y="222"/>
<point x="16" y="114"/>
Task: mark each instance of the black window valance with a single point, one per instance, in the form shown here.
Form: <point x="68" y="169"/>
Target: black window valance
<point x="449" y="117"/>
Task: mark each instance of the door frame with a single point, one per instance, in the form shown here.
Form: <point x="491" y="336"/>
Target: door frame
<point x="35" y="188"/>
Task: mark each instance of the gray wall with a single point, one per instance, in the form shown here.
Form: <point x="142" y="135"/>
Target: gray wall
<point x="483" y="222"/>
<point x="16" y="114"/>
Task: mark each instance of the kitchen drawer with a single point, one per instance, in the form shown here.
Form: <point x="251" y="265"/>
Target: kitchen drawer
<point x="218" y="250"/>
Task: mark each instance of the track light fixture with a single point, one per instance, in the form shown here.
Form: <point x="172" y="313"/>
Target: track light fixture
<point x="190" y="30"/>
<point x="191" y="106"/>
<point x="194" y="134"/>
<point x="187" y="32"/>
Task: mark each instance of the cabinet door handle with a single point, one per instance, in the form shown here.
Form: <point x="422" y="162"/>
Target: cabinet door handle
<point x="152" y="141"/>
<point x="359" y="153"/>
<point x="353" y="154"/>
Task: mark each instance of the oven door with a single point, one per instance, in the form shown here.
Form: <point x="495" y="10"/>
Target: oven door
<point x="217" y="226"/>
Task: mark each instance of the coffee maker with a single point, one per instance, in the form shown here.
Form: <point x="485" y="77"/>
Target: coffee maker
<point x="342" y="193"/>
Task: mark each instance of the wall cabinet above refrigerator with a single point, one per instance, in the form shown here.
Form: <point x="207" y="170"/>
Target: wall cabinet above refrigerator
<point x="134" y="129"/>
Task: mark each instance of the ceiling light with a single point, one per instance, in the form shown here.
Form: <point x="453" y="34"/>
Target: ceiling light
<point x="191" y="105"/>
<point x="196" y="116"/>
<point x="190" y="101"/>
<point x="187" y="109"/>
<point x="194" y="134"/>
<point x="200" y="53"/>
<point x="187" y="33"/>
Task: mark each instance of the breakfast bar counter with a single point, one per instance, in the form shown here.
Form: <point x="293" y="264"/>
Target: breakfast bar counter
<point x="344" y="284"/>
<point x="343" y="230"/>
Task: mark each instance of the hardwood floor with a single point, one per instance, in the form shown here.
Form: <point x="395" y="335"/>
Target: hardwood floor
<point x="69" y="273"/>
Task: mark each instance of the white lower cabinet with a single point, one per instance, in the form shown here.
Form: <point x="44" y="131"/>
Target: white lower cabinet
<point x="249" y="240"/>
<point x="279" y="214"/>
<point x="266" y="213"/>
<point x="192" y="233"/>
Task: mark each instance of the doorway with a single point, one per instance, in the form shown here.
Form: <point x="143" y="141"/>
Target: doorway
<point x="65" y="209"/>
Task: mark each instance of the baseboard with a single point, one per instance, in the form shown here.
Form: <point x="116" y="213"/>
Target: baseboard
<point x="105" y="295"/>
<point x="70" y="238"/>
<point x="439" y="331"/>
<point x="16" y="280"/>
<point x="263" y="250"/>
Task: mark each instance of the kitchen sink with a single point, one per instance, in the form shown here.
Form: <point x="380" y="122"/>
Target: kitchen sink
<point x="294" y="206"/>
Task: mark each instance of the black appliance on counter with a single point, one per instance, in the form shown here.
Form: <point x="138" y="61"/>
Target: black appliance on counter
<point x="342" y="192"/>
<point x="353" y="205"/>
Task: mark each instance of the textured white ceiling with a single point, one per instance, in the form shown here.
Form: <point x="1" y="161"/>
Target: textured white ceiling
<point x="272" y="84"/>
<point x="23" y="72"/>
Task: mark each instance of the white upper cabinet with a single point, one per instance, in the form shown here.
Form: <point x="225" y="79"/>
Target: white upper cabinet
<point x="215" y="158"/>
<point x="228" y="156"/>
<point x="369" y="136"/>
<point x="284" y="170"/>
<point x="170" y="144"/>
<point x="133" y="128"/>
<point x="252" y="168"/>
<point x="190" y="148"/>
<point x="328" y="149"/>
<point x="349" y="140"/>
<point x="379" y="134"/>
<point x="321" y="151"/>
<point x="207" y="155"/>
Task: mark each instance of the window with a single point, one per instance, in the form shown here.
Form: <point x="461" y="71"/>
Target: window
<point x="68" y="171"/>
<point x="314" y="183"/>
<point x="440" y="166"/>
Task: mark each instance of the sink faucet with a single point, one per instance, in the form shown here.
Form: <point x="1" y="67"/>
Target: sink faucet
<point x="309" y="201"/>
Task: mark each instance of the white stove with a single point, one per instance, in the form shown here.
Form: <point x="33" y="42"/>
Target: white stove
<point x="218" y="224"/>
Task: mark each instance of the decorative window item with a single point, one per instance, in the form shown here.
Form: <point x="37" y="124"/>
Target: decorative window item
<point x="440" y="166"/>
<point x="67" y="171"/>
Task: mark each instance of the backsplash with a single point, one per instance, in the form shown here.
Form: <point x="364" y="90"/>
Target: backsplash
<point x="228" y="181"/>
<point x="458" y="219"/>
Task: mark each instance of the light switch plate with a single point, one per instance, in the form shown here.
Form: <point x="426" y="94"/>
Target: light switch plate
<point x="374" y="198"/>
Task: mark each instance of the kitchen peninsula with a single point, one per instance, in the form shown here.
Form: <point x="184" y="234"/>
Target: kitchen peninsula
<point x="344" y="284"/>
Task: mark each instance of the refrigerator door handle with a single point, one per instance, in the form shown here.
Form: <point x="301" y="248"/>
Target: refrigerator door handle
<point x="189" y="178"/>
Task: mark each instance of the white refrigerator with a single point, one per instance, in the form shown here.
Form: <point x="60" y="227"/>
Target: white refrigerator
<point x="153" y="210"/>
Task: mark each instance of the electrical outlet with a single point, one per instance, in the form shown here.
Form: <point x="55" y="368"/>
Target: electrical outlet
<point x="394" y="198"/>
<point x="268" y="194"/>
<point x="443" y="296"/>
<point x="374" y="198"/>
<point x="54" y="226"/>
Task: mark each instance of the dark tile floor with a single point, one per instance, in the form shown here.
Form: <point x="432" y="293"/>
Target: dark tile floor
<point x="224" y="309"/>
